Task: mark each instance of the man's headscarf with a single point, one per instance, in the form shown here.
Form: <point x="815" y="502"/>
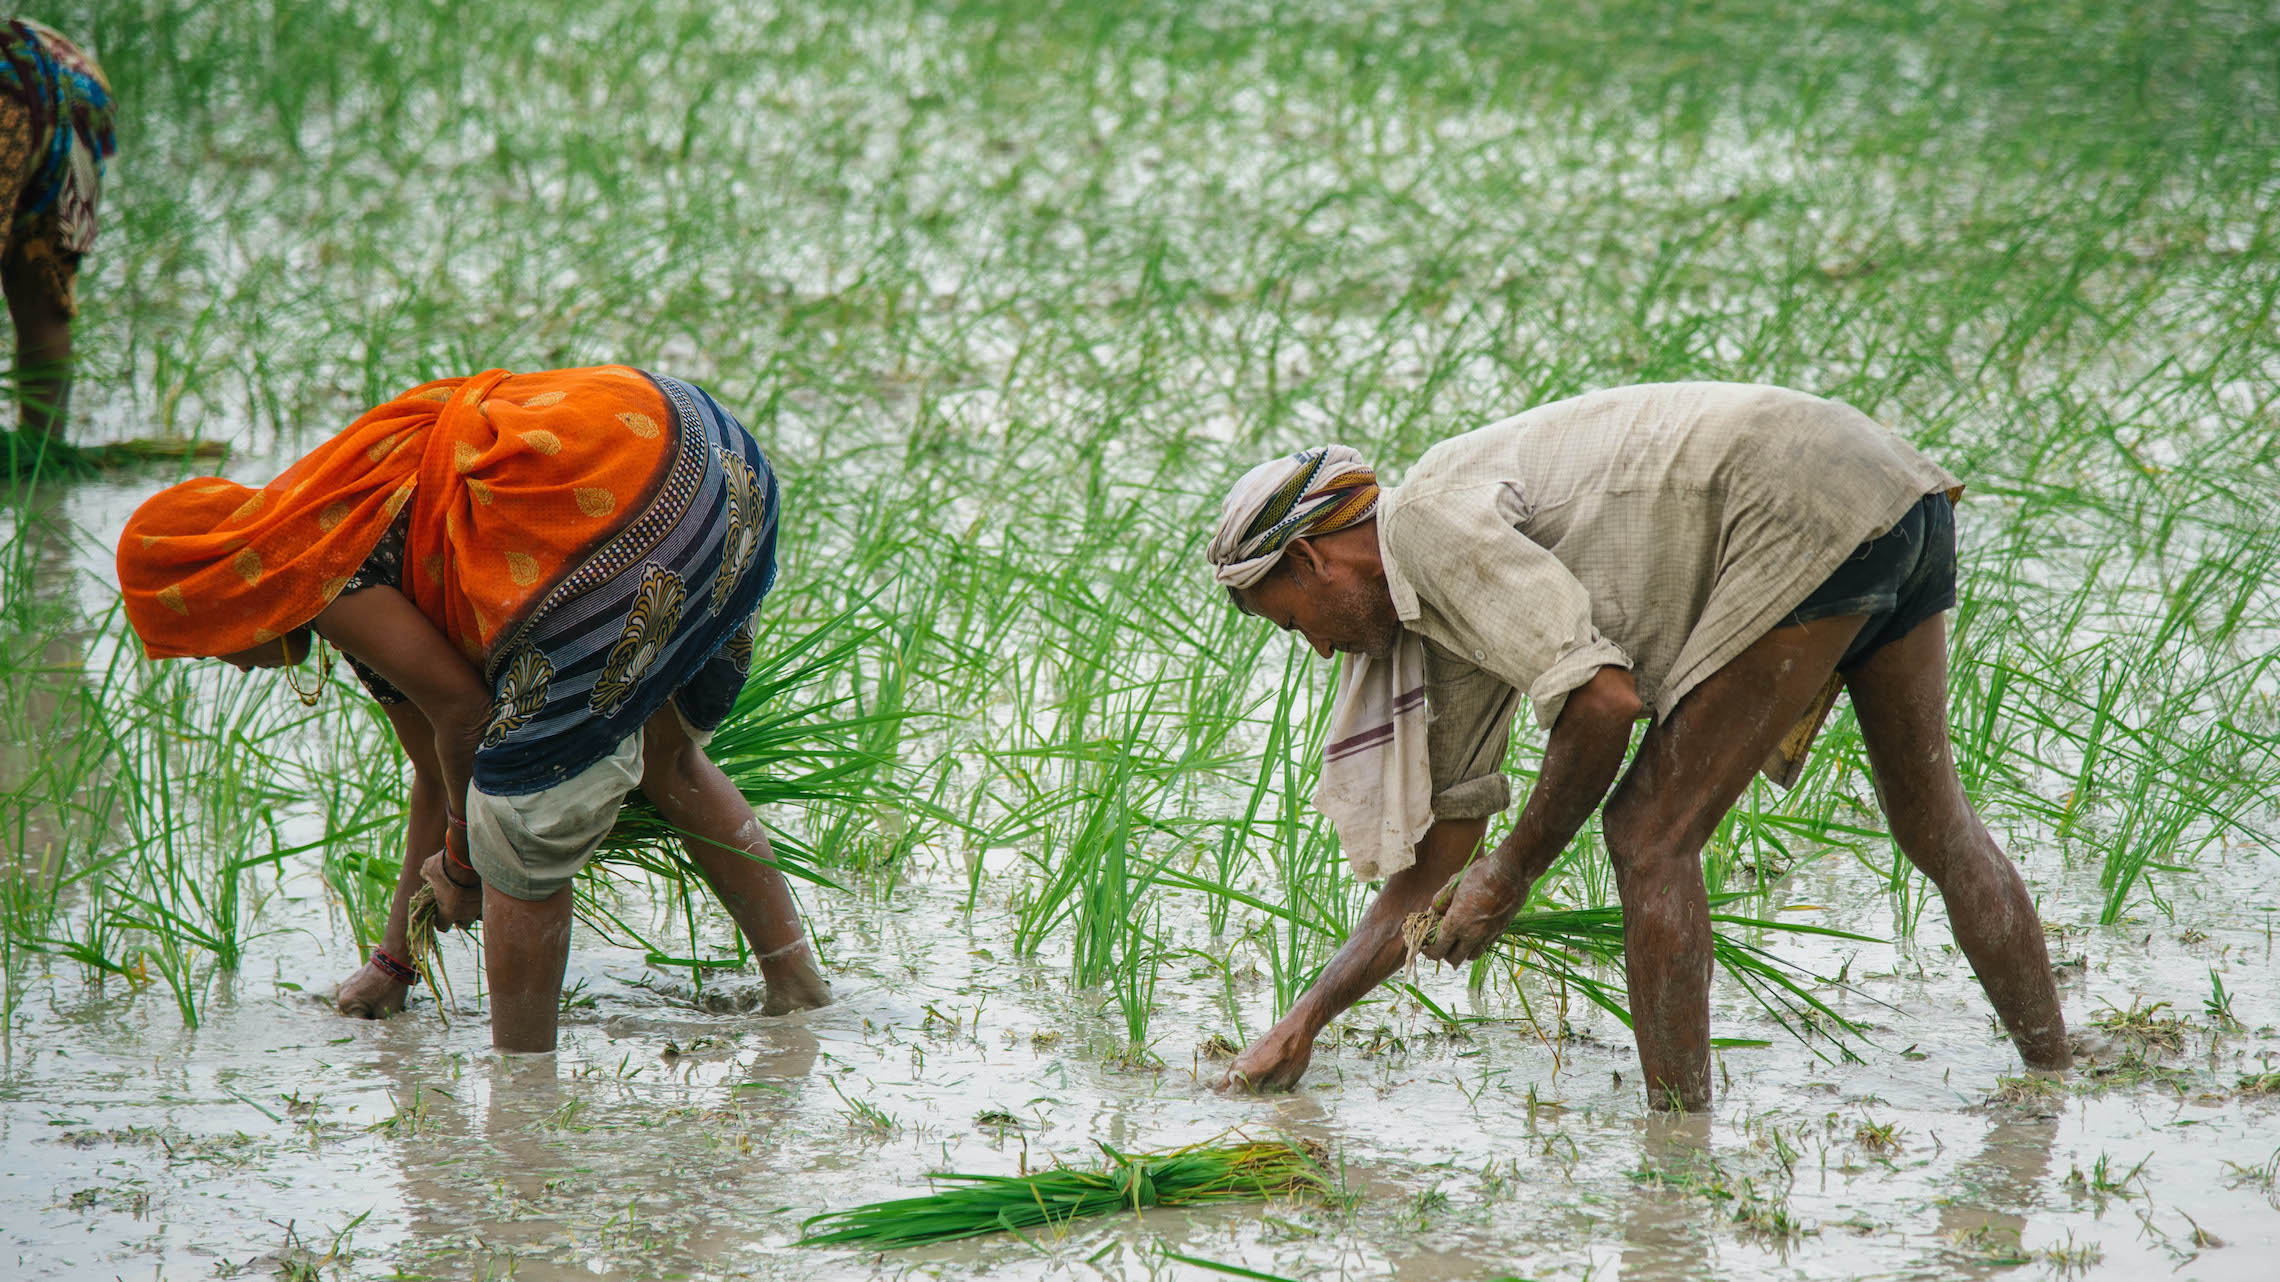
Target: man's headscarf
<point x="1376" y="783"/>
<point x="1316" y="491"/>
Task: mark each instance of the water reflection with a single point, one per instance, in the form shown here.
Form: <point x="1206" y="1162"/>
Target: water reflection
<point x="1984" y="1219"/>
<point x="517" y="1165"/>
<point x="43" y="650"/>
<point x="1663" y="1234"/>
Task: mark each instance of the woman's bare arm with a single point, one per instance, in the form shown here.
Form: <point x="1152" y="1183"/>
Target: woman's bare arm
<point x="387" y="633"/>
<point x="373" y="992"/>
<point x="423" y="832"/>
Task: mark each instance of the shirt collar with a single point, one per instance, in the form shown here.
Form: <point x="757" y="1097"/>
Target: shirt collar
<point x="1396" y="583"/>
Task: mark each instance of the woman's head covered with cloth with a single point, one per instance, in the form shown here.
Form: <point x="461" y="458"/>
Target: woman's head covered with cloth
<point x="520" y="476"/>
<point x="210" y="567"/>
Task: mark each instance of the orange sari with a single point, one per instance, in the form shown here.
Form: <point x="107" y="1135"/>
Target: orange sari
<point x="513" y="481"/>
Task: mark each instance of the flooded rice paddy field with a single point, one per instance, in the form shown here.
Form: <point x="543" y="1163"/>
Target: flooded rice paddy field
<point x="1008" y="294"/>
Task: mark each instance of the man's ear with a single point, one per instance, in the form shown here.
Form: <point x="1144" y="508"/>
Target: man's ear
<point x="1303" y="560"/>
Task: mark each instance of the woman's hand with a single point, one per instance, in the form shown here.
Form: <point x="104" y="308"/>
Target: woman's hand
<point x="455" y="905"/>
<point x="370" y="993"/>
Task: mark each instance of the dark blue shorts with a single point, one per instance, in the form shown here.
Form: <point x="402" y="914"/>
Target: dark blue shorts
<point x="1898" y="579"/>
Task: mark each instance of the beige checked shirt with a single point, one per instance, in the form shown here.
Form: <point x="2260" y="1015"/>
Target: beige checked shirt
<point x="1660" y="528"/>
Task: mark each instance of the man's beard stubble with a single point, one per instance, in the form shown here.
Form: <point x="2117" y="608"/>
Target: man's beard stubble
<point x="1366" y="617"/>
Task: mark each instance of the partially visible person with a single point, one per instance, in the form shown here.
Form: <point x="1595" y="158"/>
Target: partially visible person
<point x="547" y="581"/>
<point x="55" y="133"/>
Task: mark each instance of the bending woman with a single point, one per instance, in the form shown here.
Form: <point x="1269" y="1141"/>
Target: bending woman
<point x="547" y="580"/>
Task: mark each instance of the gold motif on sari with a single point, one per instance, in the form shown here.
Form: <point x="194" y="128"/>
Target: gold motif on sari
<point x="649" y="626"/>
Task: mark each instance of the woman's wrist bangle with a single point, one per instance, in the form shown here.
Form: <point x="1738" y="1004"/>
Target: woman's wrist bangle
<point x="450" y="861"/>
<point x="401" y="972"/>
<point x="455" y="855"/>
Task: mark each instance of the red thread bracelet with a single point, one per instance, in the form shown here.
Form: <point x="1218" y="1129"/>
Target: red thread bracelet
<point x="401" y="972"/>
<point x="455" y="826"/>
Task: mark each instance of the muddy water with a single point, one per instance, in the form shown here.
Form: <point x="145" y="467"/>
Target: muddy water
<point x="671" y="1138"/>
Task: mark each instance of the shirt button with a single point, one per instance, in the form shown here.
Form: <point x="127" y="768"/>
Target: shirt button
<point x="1478" y="656"/>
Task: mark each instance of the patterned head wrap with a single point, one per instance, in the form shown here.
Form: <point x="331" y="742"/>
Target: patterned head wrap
<point x="520" y="477"/>
<point x="1316" y="491"/>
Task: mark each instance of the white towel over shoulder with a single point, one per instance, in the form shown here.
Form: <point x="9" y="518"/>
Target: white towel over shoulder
<point x="1377" y="783"/>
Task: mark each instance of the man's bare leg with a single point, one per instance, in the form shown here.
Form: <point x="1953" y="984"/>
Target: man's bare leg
<point x="1689" y="769"/>
<point x="727" y="842"/>
<point x="1900" y="696"/>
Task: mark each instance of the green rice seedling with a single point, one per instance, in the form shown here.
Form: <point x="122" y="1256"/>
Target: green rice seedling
<point x="2218" y="1005"/>
<point x="1561" y="944"/>
<point x="964" y="1206"/>
<point x="783" y="742"/>
<point x="1133" y="981"/>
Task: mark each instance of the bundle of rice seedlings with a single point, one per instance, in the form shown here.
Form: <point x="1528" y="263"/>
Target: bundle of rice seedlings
<point x="781" y="742"/>
<point x="964" y="1206"/>
<point x="1563" y="944"/>
<point x="419" y="941"/>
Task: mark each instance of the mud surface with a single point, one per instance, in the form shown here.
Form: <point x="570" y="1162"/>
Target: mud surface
<point x="675" y="1135"/>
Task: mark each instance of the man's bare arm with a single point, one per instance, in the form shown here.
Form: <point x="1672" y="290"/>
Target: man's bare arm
<point x="1580" y="760"/>
<point x="1279" y="1057"/>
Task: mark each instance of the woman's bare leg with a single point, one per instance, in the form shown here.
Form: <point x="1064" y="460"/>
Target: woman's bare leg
<point x="727" y="842"/>
<point x="526" y="947"/>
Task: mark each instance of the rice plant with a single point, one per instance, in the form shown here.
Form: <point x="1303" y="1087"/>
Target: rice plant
<point x="964" y="1206"/>
<point x="1566" y="945"/>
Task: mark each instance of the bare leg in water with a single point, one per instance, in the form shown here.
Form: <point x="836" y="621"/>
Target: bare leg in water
<point x="1900" y="697"/>
<point x="1689" y="769"/>
<point x="526" y="943"/>
<point x="526" y="947"/>
<point x="727" y="842"/>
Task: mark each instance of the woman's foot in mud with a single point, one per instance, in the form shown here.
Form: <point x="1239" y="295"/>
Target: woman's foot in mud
<point x="371" y="993"/>
<point x="794" y="984"/>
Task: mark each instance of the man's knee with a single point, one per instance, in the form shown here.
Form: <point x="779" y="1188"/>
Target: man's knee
<point x="1638" y="840"/>
<point x="1936" y="828"/>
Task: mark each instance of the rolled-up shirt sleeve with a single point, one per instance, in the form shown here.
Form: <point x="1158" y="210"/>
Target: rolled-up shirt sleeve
<point x="1498" y="599"/>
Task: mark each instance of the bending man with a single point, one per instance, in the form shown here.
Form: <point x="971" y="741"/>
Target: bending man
<point x="1716" y="558"/>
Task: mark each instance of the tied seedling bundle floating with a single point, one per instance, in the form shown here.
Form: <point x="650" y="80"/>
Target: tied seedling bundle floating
<point x="964" y="1206"/>
<point x="1562" y="943"/>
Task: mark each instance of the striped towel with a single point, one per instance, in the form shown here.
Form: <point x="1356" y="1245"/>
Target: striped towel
<point x="1377" y="784"/>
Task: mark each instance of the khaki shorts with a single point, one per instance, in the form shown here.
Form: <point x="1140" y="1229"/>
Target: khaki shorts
<point x="533" y="845"/>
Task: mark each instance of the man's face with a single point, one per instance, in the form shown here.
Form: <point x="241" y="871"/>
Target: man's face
<point x="1333" y="607"/>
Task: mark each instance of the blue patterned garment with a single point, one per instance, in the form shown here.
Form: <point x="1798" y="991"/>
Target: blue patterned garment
<point x="662" y="610"/>
<point x="71" y="126"/>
